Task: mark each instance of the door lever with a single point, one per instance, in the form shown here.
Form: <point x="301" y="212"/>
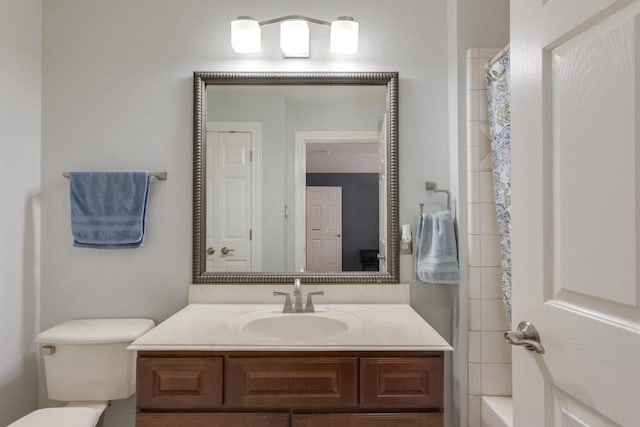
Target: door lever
<point x="526" y="335"/>
<point x="226" y="251"/>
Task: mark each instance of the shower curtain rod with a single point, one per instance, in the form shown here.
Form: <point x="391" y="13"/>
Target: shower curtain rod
<point x="498" y="57"/>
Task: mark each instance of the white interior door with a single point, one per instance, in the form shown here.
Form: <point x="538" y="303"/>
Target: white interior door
<point x="576" y="210"/>
<point x="382" y="195"/>
<point x="229" y="202"/>
<point x="211" y="232"/>
<point x="302" y="138"/>
<point x="324" y="229"/>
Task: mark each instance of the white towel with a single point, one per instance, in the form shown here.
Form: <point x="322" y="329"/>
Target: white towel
<point x="436" y="250"/>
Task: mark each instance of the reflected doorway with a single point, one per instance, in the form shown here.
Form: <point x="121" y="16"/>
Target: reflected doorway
<point x="324" y="229"/>
<point x="332" y="165"/>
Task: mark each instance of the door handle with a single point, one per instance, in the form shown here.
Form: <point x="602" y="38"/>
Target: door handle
<point x="381" y="256"/>
<point x="211" y="251"/>
<point x="338" y="235"/>
<point x="226" y="251"/>
<point x="526" y="335"/>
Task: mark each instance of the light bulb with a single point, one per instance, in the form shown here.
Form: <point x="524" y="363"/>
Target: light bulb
<point x="294" y="38"/>
<point x="344" y="36"/>
<point x="245" y="35"/>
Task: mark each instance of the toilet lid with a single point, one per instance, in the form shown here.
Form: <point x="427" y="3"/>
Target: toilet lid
<point x="68" y="417"/>
<point x="95" y="331"/>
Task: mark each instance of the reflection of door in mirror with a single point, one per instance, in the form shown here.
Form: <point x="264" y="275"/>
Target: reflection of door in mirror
<point x="348" y="161"/>
<point x="232" y="195"/>
<point x="382" y="186"/>
<point x="324" y="229"/>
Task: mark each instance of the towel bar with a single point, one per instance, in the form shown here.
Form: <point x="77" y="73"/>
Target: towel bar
<point x="161" y="176"/>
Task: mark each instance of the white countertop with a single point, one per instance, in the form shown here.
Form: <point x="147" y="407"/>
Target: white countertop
<point x="218" y="327"/>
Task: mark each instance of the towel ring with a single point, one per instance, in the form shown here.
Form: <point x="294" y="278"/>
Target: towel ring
<point x="432" y="186"/>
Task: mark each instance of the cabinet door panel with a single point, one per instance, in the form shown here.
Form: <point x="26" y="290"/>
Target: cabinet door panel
<point x="179" y="383"/>
<point x="212" y="420"/>
<point x="401" y="382"/>
<point x="367" y="420"/>
<point x="291" y="383"/>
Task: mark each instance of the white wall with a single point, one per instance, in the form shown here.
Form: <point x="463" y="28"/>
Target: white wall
<point x="117" y="93"/>
<point x="472" y="24"/>
<point x="480" y="24"/>
<point x="343" y="162"/>
<point x="489" y="353"/>
<point x="20" y="52"/>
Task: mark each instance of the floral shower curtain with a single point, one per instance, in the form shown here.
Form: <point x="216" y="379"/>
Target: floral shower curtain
<point x="500" y="124"/>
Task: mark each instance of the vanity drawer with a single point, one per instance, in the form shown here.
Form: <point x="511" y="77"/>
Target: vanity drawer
<point x="291" y="383"/>
<point x="367" y="420"/>
<point x="212" y="420"/>
<point x="403" y="382"/>
<point x="179" y="383"/>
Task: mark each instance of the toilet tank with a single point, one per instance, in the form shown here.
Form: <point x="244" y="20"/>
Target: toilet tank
<point x="88" y="360"/>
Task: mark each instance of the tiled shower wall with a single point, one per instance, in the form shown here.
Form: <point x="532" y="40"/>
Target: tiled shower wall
<point x="489" y="354"/>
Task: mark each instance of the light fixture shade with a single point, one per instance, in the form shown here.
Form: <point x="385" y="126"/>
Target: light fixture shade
<point x="245" y="35"/>
<point x="294" y="38"/>
<point x="344" y="36"/>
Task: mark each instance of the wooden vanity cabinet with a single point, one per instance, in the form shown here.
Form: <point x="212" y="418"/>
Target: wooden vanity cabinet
<point x="289" y="389"/>
<point x="401" y="382"/>
<point x="222" y="419"/>
<point x="367" y="420"/>
<point x="179" y="382"/>
<point x="291" y="382"/>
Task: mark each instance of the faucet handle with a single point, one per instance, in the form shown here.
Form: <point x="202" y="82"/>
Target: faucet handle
<point x="309" y="308"/>
<point x="287" y="301"/>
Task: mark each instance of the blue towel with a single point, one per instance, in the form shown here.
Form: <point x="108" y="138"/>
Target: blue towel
<point x="436" y="250"/>
<point x="108" y="209"/>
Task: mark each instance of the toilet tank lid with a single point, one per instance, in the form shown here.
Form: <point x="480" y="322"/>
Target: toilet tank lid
<point x="96" y="331"/>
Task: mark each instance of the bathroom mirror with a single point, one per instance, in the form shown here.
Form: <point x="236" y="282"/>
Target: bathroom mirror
<point x="295" y="175"/>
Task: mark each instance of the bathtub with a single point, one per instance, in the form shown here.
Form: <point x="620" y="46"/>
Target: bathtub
<point x="497" y="411"/>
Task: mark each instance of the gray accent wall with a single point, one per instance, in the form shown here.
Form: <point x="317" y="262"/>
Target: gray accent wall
<point x="360" y="205"/>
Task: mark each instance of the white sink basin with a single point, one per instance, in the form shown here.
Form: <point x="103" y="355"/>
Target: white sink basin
<point x="276" y="325"/>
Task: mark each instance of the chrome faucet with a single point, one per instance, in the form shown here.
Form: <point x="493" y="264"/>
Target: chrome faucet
<point x="297" y="295"/>
<point x="297" y="306"/>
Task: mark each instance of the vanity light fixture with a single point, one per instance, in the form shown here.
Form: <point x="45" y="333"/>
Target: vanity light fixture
<point x="294" y="35"/>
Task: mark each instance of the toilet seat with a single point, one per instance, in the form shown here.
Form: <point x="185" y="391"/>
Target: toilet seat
<point x="67" y="417"/>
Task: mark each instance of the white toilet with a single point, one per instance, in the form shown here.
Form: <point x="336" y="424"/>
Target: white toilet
<point x="87" y="364"/>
